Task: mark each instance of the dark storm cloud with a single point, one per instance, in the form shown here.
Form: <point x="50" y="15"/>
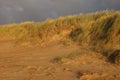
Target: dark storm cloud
<point x="37" y="10"/>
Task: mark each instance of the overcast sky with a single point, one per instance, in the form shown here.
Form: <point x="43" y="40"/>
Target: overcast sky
<point x="12" y="11"/>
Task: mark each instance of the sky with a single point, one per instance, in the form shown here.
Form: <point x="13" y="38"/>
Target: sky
<point x="17" y="11"/>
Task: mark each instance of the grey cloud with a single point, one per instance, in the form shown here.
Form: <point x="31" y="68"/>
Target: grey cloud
<point x="38" y="10"/>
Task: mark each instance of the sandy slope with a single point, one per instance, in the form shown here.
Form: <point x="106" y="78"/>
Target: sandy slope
<point x="34" y="63"/>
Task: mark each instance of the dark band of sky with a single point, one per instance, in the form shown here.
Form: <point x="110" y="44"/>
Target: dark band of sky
<point x="15" y="11"/>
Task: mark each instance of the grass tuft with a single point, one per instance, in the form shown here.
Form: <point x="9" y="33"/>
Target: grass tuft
<point x="64" y="58"/>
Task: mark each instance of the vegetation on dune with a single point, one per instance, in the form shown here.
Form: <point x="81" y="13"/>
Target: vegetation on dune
<point x="85" y="56"/>
<point x="65" y="58"/>
<point x="113" y="56"/>
<point x="100" y="30"/>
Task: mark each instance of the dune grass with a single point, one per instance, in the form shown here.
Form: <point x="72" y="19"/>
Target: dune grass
<point x="101" y="30"/>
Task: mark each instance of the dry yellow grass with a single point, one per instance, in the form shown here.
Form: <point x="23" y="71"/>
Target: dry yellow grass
<point x="100" y="31"/>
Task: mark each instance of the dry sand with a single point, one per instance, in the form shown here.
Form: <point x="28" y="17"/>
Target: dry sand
<point x="34" y="63"/>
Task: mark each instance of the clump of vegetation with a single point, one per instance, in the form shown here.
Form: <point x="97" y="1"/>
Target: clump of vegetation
<point x="65" y="58"/>
<point x="100" y="30"/>
<point x="113" y="56"/>
<point x="66" y="42"/>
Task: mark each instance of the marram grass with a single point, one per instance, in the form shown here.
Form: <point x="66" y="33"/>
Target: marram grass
<point x="101" y="30"/>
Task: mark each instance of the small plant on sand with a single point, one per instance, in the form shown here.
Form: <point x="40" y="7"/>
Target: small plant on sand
<point x="65" y="58"/>
<point x="113" y="56"/>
